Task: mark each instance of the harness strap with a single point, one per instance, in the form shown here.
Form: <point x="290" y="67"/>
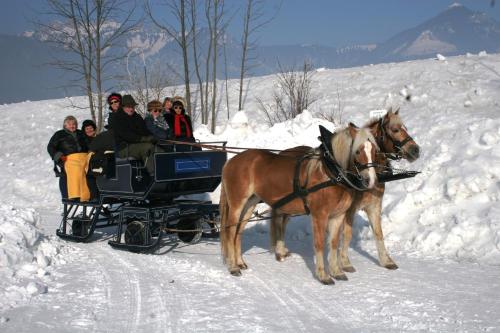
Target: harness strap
<point x="303" y="194"/>
<point x="298" y="190"/>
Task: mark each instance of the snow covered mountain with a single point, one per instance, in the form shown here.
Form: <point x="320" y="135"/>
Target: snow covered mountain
<point x="457" y="30"/>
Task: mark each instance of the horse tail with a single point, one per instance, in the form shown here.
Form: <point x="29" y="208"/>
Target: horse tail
<point x="223" y="210"/>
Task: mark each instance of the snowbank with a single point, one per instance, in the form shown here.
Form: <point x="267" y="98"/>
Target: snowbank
<point x="25" y="256"/>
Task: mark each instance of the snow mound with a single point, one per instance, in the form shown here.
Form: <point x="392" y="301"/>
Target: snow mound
<point x="25" y="255"/>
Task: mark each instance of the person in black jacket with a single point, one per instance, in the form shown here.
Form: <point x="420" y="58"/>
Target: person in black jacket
<point x="132" y="137"/>
<point x="89" y="129"/>
<point x="63" y="143"/>
<point x="114" y="102"/>
<point x="180" y="122"/>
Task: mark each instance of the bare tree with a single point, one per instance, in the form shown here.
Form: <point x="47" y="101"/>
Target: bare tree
<point x="292" y="96"/>
<point x="149" y="82"/>
<point x="180" y="35"/>
<point x="89" y="29"/>
<point x="336" y="112"/>
<point x="253" y="20"/>
<point x="194" y="36"/>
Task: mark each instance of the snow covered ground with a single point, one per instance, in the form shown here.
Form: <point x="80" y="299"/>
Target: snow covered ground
<point x="442" y="227"/>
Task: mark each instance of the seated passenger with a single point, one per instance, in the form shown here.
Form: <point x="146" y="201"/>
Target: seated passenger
<point x="89" y="129"/>
<point x="114" y="101"/>
<point x="132" y="137"/>
<point x="68" y="149"/>
<point x="156" y="122"/>
<point x="167" y="105"/>
<point x="180" y="122"/>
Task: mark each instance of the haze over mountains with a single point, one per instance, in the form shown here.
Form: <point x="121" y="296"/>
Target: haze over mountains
<point x="457" y="30"/>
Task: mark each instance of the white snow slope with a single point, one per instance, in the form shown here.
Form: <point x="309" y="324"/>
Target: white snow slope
<point x="441" y="227"/>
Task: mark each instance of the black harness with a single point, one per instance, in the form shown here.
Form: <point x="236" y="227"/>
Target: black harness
<point x="335" y="173"/>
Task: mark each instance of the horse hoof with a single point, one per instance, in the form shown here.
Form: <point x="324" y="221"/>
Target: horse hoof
<point x="328" y="281"/>
<point x="349" y="269"/>
<point x="235" y="272"/>
<point x="341" y="277"/>
<point x="243" y="266"/>
<point x="281" y="257"/>
<point x="392" y="266"/>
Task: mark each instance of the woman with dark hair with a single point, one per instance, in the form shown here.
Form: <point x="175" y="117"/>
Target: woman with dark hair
<point x="89" y="129"/>
<point x="179" y="122"/>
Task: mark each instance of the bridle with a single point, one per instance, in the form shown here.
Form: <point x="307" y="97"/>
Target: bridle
<point x="398" y="145"/>
<point x="353" y="180"/>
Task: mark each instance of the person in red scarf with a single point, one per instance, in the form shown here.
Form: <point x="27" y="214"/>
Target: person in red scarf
<point x="180" y="123"/>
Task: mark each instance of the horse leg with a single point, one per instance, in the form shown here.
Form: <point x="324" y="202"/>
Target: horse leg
<point x="278" y="223"/>
<point x="374" y="215"/>
<point x="346" y="241"/>
<point x="275" y="220"/>
<point x="318" y="228"/>
<point x="247" y="214"/>
<point x="334" y="225"/>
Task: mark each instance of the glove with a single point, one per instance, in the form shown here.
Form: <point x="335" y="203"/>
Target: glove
<point x="63" y="158"/>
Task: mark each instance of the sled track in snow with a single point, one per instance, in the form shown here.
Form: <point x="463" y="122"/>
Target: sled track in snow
<point x="135" y="303"/>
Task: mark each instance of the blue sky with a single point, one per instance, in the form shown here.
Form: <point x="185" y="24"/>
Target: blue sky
<point x="326" y="22"/>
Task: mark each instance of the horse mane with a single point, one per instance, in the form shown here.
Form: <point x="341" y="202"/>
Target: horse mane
<point x="394" y="119"/>
<point x="342" y="144"/>
<point x="341" y="147"/>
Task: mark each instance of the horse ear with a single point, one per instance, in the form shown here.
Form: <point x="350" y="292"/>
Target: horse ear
<point x="397" y="110"/>
<point x="325" y="135"/>
<point x="353" y="129"/>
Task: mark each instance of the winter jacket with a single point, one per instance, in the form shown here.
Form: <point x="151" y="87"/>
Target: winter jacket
<point x="65" y="143"/>
<point x="180" y="125"/>
<point x="158" y="127"/>
<point x="129" y="129"/>
<point x="103" y="141"/>
<point x="110" y="119"/>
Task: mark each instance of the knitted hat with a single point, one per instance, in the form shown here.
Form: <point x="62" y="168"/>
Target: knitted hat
<point x="128" y="100"/>
<point x="114" y="97"/>
<point x="88" y="122"/>
<point x="154" y="105"/>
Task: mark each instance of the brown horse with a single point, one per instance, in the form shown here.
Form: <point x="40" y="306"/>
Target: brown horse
<point x="395" y="143"/>
<point x="259" y="175"/>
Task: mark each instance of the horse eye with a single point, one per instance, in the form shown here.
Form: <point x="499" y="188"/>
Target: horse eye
<point x="395" y="130"/>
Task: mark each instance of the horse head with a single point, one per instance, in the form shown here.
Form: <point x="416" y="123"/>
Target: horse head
<point x="354" y="150"/>
<point x="394" y="137"/>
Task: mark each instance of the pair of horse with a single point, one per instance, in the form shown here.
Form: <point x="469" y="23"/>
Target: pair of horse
<point x="330" y="183"/>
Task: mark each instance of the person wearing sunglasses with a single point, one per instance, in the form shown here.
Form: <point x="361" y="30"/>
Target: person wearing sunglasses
<point x="114" y="102"/>
<point x="155" y="120"/>
<point x="180" y="122"/>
